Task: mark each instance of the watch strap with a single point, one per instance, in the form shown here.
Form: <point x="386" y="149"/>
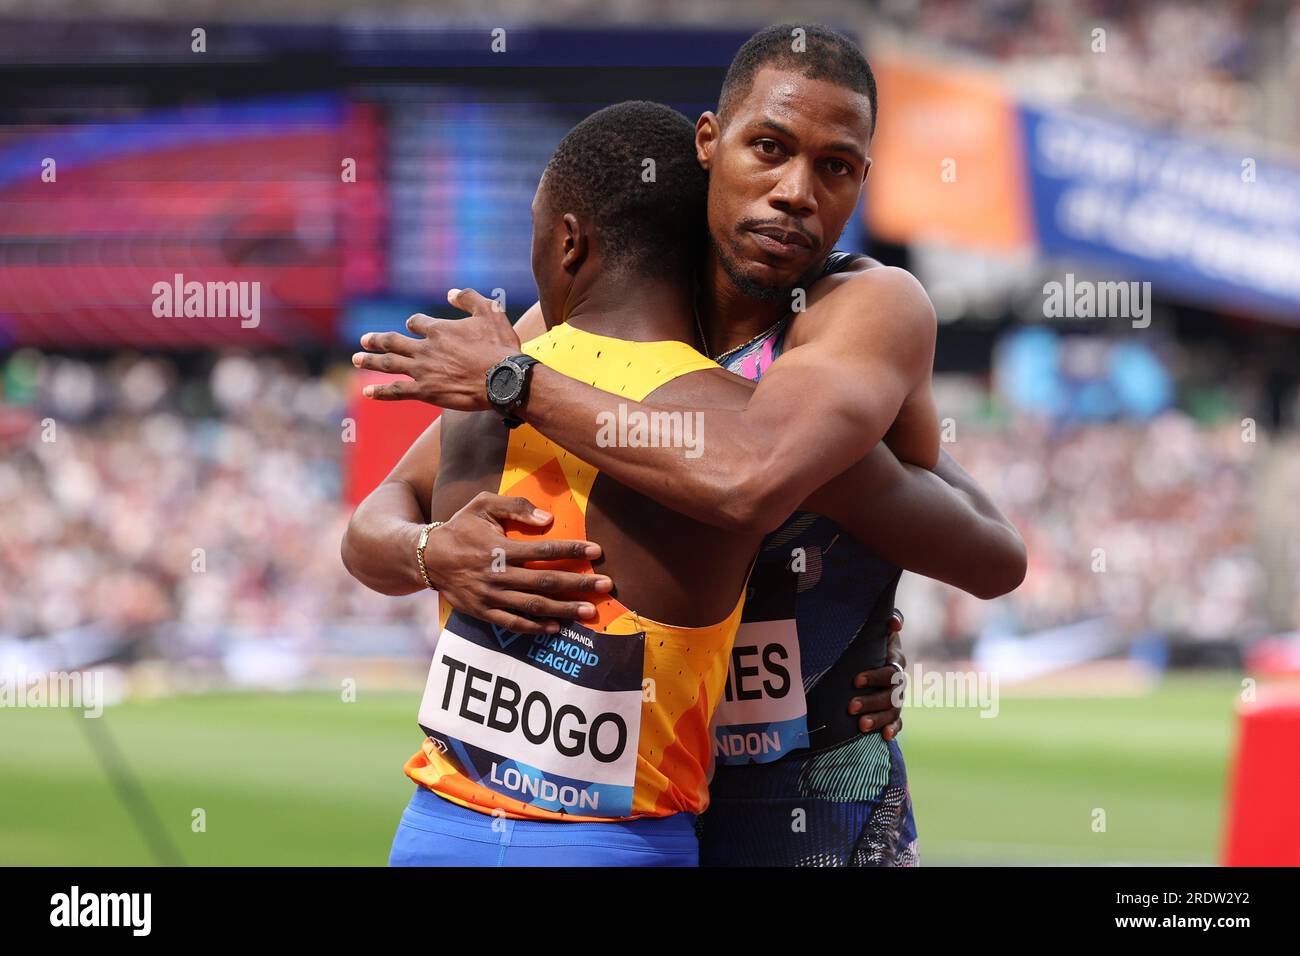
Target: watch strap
<point x="524" y="363"/>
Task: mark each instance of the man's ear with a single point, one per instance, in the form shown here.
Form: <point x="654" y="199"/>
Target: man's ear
<point x="866" y="168"/>
<point x="576" y="243"/>
<point x="708" y="130"/>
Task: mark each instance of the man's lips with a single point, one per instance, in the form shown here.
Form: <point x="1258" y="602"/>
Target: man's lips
<point x="780" y="243"/>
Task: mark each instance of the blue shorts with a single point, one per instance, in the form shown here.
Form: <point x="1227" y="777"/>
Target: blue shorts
<point x="436" y="832"/>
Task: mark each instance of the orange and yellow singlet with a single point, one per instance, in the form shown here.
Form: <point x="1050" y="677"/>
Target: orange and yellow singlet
<point x="607" y="719"/>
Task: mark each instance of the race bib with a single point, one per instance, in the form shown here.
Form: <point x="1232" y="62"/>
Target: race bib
<point x="763" y="714"/>
<point x="553" y="720"/>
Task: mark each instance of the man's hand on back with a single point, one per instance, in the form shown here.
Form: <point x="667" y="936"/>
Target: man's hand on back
<point x="477" y="568"/>
<point x="448" y="360"/>
<point x="881" y="708"/>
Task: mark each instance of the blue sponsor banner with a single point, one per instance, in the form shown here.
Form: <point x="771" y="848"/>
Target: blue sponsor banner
<point x="592" y="659"/>
<point x="1197" y="220"/>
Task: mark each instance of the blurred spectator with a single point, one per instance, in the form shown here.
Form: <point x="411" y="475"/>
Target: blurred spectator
<point x="178" y="515"/>
<point x="1153" y="526"/>
<point x="1195" y="64"/>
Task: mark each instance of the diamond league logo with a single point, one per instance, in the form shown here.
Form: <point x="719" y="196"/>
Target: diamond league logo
<point x="505" y="636"/>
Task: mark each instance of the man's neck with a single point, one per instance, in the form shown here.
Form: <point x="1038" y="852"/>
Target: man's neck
<point x="730" y="317"/>
<point x="636" y="309"/>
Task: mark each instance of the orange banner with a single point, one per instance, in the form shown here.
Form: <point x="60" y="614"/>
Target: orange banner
<point x="947" y="160"/>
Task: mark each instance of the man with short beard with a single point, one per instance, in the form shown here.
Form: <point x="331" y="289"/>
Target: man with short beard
<point x="787" y="158"/>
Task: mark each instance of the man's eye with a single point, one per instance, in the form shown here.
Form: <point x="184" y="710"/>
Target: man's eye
<point x="768" y="147"/>
<point x="838" y="167"/>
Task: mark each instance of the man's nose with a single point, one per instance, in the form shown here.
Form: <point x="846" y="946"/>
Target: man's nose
<point x="794" y="193"/>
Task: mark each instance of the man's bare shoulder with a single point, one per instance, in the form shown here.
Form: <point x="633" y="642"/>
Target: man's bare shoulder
<point x="707" y="388"/>
<point x="868" y="298"/>
<point x="860" y="264"/>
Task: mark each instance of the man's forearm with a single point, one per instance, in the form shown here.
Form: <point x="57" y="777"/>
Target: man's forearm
<point x="977" y="550"/>
<point x="959" y="478"/>
<point x="764" y="450"/>
<point x="1001" y="548"/>
<point x="706" y="488"/>
<point x="379" y="545"/>
<point x="940" y="524"/>
<point x="737" y="477"/>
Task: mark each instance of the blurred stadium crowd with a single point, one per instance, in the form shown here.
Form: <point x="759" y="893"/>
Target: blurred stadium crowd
<point x="1165" y="529"/>
<point x="178" y="514"/>
<point x="1195" y="64"/>
<point x="191" y="506"/>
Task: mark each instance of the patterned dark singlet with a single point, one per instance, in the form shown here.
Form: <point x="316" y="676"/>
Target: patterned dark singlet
<point x="773" y="801"/>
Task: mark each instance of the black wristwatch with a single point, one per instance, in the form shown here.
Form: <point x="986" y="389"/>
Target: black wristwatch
<point x="507" y="386"/>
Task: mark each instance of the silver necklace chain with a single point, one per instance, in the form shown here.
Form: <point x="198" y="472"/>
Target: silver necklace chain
<point x="704" y="341"/>
<point x="759" y="337"/>
<point x="699" y="326"/>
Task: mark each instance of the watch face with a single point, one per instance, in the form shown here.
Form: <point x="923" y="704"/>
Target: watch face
<point x="503" y="383"/>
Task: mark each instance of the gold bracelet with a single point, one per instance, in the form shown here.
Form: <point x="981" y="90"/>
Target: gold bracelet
<point x="419" y="552"/>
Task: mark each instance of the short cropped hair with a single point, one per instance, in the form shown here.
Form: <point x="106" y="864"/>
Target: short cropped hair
<point x="648" y="217"/>
<point x="824" y="55"/>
